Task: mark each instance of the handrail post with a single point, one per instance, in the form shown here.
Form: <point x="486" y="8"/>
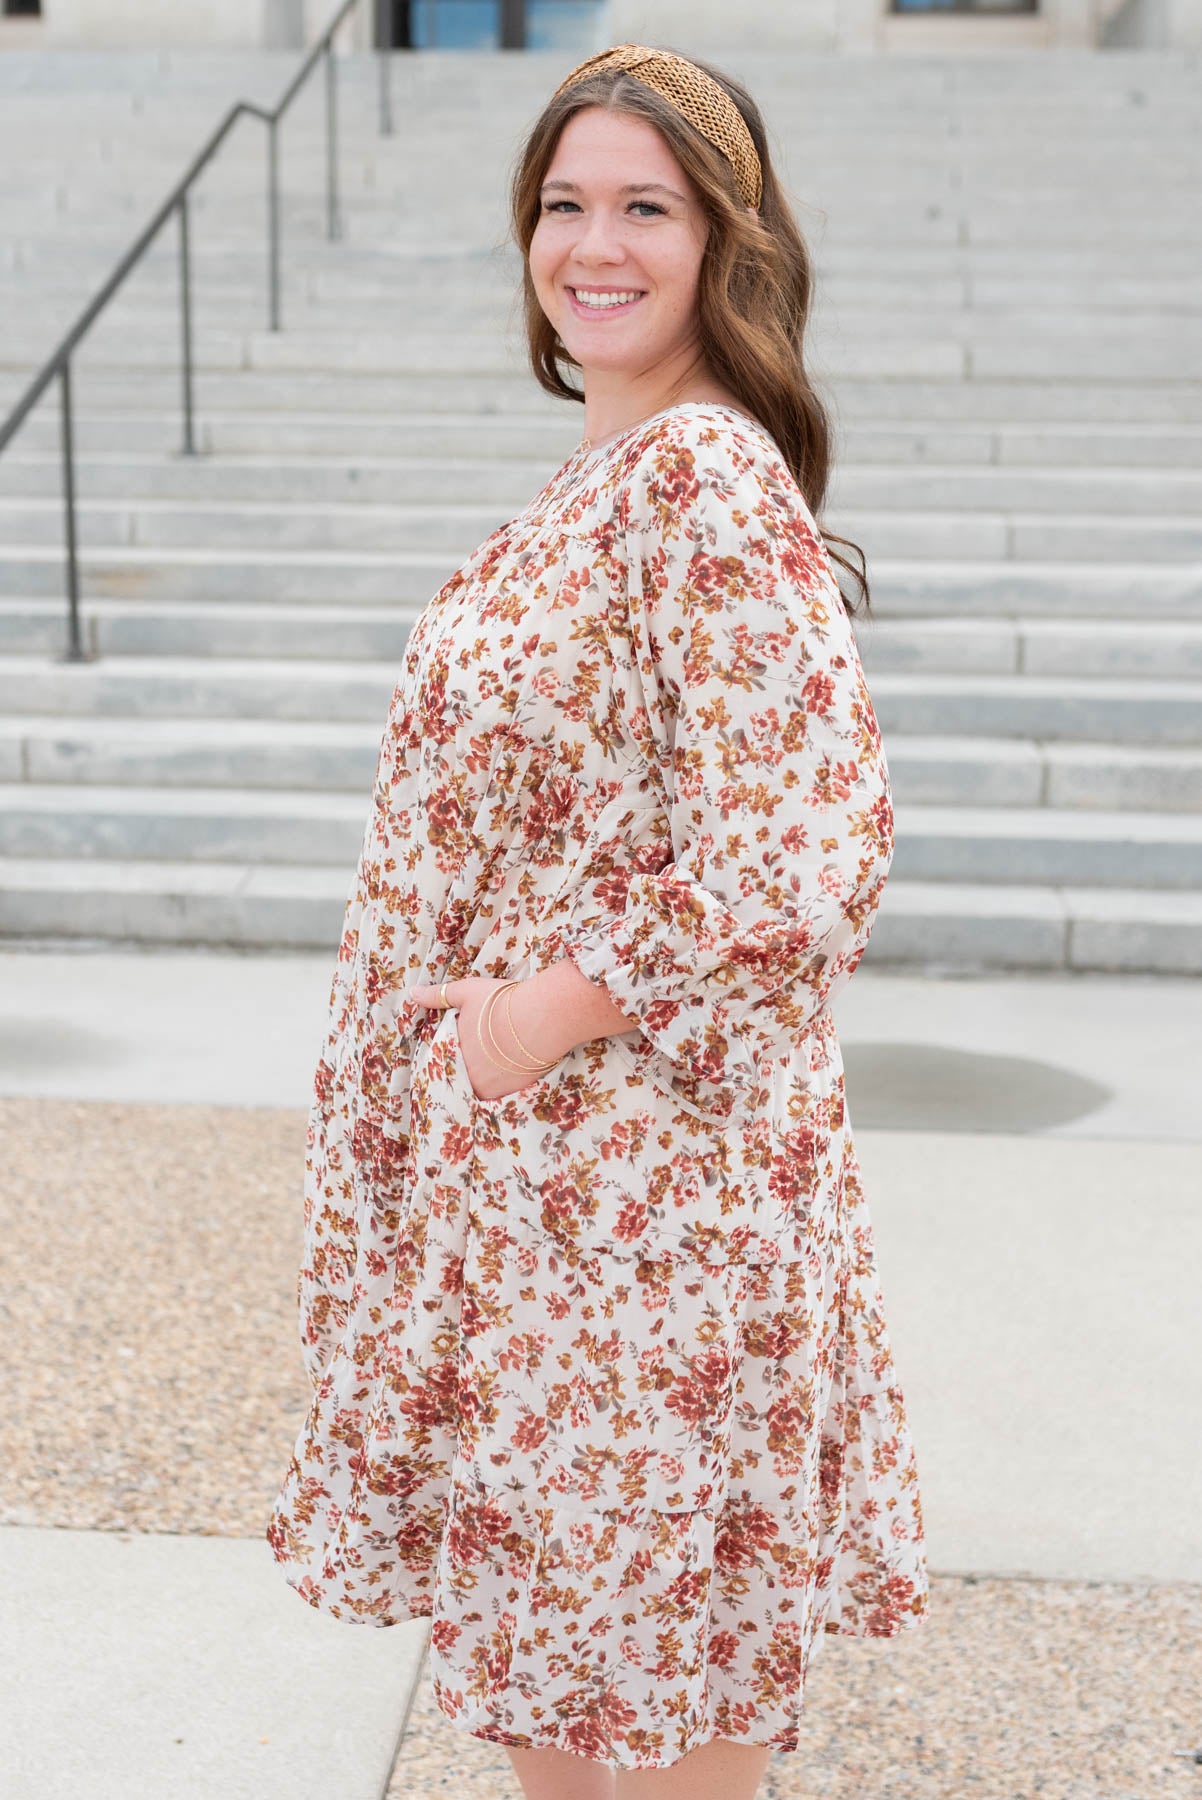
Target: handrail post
<point x="273" y="224"/>
<point x="386" y="126"/>
<point x="75" y="651"/>
<point x="384" y="60"/>
<point x="185" y="299"/>
<point x="333" y="224"/>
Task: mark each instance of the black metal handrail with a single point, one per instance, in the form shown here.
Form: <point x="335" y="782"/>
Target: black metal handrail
<point x="58" y="363"/>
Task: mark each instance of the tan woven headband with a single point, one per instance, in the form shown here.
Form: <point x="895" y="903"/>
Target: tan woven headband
<point x="696" y="97"/>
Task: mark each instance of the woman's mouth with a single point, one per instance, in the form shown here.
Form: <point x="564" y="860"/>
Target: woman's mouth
<point x="602" y="303"/>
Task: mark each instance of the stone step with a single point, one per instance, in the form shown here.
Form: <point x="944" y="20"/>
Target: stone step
<point x="292" y="906"/>
<point x="1062" y="708"/>
<point x="1153" y="648"/>
<point x="996" y="83"/>
<point x="1032" y="403"/>
<point x="1019" y="772"/>
<point x="1045" y="847"/>
<point x="966" y="280"/>
<point x="485" y="352"/>
<point x="1134" y="446"/>
<point x="229" y="293"/>
<point x="189" y="688"/>
<point x="1033" y="846"/>
<point x="840" y="350"/>
<point x="457" y="527"/>
<point x="916" y="198"/>
<point x="916" y="154"/>
<point x="1034" y="646"/>
<point x="318" y="755"/>
<point x="478" y="298"/>
<point x="134" y="628"/>
<point x="312" y="754"/>
<point x="192" y="824"/>
<point x="856" y="120"/>
<point x="966" y="929"/>
<point x="840" y="91"/>
<point x="1057" y="707"/>
<point x="204" y="574"/>
<point x="1081" y="590"/>
<point x="914" y="212"/>
<point x="942" y="488"/>
<point x="961" y="928"/>
<point x="313" y="482"/>
<point x="553" y="437"/>
<point x="323" y="479"/>
<point x="908" y="587"/>
<point x="359" y="268"/>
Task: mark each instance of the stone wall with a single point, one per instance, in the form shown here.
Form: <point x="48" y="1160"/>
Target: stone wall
<point x="702" y="25"/>
<point x="166" y="24"/>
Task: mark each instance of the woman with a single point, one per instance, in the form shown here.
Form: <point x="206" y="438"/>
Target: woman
<point x="602" y="1383"/>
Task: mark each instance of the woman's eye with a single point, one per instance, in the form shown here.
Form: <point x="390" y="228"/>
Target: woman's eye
<point x="647" y="206"/>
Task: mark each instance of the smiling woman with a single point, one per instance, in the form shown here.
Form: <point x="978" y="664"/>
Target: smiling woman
<point x="602" y="1383"/>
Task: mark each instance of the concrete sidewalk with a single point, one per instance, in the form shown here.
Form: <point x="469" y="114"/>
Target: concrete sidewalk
<point x="1093" y="1056"/>
<point x="1039" y="1279"/>
<point x="144" y="1665"/>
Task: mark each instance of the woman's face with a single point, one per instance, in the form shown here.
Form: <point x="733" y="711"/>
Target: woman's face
<point x="617" y="249"/>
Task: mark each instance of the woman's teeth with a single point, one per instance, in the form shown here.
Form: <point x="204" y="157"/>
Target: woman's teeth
<point x="602" y="300"/>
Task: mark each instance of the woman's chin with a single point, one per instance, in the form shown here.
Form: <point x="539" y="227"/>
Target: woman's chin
<point x="615" y="360"/>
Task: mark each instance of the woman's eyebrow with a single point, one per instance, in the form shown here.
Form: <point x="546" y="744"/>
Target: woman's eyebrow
<point x="641" y="187"/>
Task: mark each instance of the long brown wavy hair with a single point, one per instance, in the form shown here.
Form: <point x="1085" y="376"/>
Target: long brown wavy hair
<point x="754" y="291"/>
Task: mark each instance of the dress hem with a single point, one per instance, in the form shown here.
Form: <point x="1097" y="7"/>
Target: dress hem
<point x="791" y="1743"/>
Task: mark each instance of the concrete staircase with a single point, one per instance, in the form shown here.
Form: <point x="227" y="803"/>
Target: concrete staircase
<point x="1008" y="327"/>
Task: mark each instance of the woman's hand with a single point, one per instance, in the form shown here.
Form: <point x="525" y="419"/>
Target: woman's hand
<point x="467" y="997"/>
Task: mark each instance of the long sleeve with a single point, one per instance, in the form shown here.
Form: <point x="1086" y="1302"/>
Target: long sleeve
<point x="752" y="711"/>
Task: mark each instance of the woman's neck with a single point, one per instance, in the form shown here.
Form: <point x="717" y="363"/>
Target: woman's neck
<point x="609" y="410"/>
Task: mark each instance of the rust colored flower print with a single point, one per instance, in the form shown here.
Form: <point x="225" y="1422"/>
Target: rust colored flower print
<point x="602" y="1384"/>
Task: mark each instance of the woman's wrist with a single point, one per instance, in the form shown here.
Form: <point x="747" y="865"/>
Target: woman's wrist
<point x="504" y="1045"/>
<point x="557" y="1009"/>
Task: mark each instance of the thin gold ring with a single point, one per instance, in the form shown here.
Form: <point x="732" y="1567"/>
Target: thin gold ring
<point x="442" y="993"/>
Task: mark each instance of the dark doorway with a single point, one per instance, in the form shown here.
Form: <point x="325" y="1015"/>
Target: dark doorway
<point x="458" y="25"/>
<point x="965" y="6"/>
<point x="572" y="25"/>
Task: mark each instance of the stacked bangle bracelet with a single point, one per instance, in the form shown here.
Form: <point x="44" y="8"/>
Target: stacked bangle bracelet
<point x="536" y="1066"/>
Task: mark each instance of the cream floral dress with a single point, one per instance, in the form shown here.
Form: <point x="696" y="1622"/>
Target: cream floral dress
<point x="602" y="1384"/>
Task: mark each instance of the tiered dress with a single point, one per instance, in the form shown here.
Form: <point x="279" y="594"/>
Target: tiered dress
<point x="602" y="1384"/>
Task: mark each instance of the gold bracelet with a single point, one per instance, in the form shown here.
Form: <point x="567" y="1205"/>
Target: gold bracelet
<point x="480" y="1023"/>
<point x="538" y="1061"/>
<point x="508" y="1062"/>
<point x="485" y="1019"/>
<point x="501" y="1060"/>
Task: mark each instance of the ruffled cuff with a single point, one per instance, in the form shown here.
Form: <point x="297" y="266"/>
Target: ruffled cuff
<point x="687" y="1048"/>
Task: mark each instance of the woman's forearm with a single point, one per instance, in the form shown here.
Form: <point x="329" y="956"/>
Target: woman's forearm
<point x="559" y="1008"/>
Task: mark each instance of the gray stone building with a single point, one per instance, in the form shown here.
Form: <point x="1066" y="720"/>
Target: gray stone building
<point x="571" y="25"/>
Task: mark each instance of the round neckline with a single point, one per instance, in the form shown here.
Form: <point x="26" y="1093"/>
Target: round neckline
<point x="664" y="411"/>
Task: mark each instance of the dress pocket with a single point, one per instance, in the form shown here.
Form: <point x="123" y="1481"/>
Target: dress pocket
<point x="592" y="1160"/>
<point x="458" y="1073"/>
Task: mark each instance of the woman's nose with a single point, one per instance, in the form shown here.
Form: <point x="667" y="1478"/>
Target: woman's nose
<point x="599" y="239"/>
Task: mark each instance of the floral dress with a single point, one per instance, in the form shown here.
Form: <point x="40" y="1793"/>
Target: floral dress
<point x="602" y="1384"/>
